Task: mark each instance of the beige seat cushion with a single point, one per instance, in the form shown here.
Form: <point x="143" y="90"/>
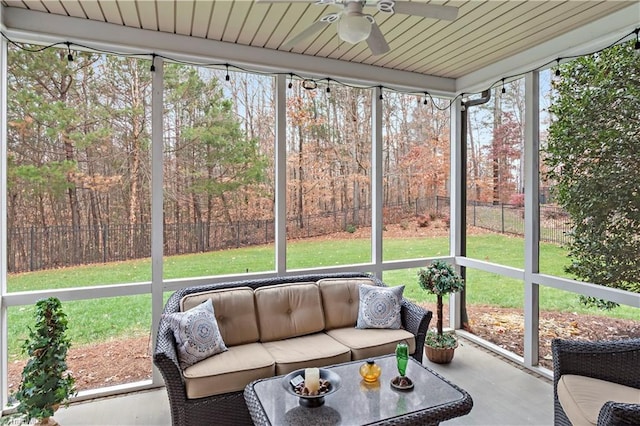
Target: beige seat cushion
<point x="229" y="371"/>
<point x="315" y="350"/>
<point x="340" y="298"/>
<point x="369" y="343"/>
<point x="235" y="313"/>
<point x="288" y="310"/>
<point x="582" y="397"/>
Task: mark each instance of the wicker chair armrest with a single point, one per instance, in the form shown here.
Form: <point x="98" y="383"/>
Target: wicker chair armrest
<point x="416" y="321"/>
<point x="616" y="361"/>
<point x="619" y="414"/>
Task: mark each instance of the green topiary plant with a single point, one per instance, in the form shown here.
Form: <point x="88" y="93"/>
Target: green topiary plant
<point x="440" y="278"/>
<point x="46" y="384"/>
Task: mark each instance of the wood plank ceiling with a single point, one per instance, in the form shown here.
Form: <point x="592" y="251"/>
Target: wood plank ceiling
<point x="484" y="32"/>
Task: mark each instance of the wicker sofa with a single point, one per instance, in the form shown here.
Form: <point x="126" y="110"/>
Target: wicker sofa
<point x="273" y="326"/>
<point x="587" y="401"/>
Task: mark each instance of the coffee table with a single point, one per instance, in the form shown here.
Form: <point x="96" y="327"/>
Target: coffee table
<point x="432" y="400"/>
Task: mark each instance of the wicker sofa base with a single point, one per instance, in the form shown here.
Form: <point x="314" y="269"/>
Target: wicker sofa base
<point x="230" y="409"/>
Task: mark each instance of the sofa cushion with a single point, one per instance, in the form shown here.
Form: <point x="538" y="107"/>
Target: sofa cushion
<point x="196" y="333"/>
<point x="340" y="299"/>
<point x="288" y="310"/>
<point x="235" y="312"/>
<point x="582" y="397"/>
<point x="380" y="307"/>
<point x="314" y="350"/>
<point x="230" y="371"/>
<point x="370" y="343"/>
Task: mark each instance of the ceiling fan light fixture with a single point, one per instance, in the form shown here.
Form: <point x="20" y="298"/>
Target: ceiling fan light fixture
<point x="354" y="28"/>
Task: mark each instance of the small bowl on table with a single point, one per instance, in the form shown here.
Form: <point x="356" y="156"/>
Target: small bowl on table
<point x="313" y="400"/>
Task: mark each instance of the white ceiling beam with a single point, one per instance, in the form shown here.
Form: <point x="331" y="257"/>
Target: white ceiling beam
<point x="38" y="27"/>
<point x="586" y="39"/>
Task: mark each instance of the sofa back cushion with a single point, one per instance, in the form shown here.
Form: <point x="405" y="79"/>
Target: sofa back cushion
<point x="235" y="312"/>
<point x="340" y="298"/>
<point x="288" y="310"/>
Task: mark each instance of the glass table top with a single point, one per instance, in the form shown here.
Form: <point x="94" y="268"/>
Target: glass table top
<point x="357" y="401"/>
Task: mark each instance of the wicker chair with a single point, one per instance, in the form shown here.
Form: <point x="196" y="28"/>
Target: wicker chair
<point x="614" y="361"/>
<point x="230" y="408"/>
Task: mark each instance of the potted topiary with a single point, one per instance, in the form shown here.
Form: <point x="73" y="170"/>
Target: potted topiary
<point x="46" y="383"/>
<point x="440" y="278"/>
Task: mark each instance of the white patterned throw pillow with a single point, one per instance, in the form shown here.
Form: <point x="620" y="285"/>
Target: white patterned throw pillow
<point x="379" y="307"/>
<point x="197" y="334"/>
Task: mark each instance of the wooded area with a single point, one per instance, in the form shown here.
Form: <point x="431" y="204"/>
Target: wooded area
<point x="79" y="144"/>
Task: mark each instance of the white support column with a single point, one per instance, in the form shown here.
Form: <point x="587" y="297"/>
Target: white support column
<point x="3" y="220"/>
<point x="531" y="218"/>
<point x="281" y="175"/>
<point x="457" y="203"/>
<point x="157" y="210"/>
<point x="376" y="182"/>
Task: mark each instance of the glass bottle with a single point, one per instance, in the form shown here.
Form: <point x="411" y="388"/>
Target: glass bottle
<point x="370" y="371"/>
<point x="402" y="357"/>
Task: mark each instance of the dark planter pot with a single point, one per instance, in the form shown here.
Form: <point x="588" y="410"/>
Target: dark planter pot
<point x="440" y="355"/>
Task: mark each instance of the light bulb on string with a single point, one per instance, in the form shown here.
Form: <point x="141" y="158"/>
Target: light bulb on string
<point x="226" y="77"/>
<point x="69" y="55"/>
<point x="503" y="89"/>
<point x="558" y="67"/>
<point x="426" y="101"/>
<point x="290" y="85"/>
<point x="152" y="68"/>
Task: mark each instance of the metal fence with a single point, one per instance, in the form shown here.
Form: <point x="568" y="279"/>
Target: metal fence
<point x="555" y="225"/>
<point x="37" y="248"/>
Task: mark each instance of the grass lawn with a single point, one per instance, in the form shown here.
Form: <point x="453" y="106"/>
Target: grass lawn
<point x="102" y="319"/>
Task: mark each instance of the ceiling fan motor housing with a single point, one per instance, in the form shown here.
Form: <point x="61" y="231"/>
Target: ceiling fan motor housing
<point x="353" y="26"/>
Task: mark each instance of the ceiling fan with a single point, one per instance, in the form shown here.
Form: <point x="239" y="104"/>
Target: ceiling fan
<point x="354" y="26"/>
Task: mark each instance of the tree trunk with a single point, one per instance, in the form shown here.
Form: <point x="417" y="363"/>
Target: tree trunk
<point x="300" y="180"/>
<point x="439" y="314"/>
<point x="497" y="114"/>
<point x="474" y="159"/>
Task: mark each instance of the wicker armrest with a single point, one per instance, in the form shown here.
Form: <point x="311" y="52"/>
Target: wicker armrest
<point x="619" y="414"/>
<point x="416" y="321"/>
<point x="616" y="361"/>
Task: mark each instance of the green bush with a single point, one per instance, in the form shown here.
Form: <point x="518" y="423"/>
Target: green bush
<point x="45" y="381"/>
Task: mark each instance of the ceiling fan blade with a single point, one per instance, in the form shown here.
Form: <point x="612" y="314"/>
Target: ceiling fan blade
<point x="446" y="13"/>
<point x="376" y="42"/>
<point x="311" y="30"/>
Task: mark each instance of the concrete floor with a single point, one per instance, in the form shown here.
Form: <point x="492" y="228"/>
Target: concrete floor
<point x="502" y="395"/>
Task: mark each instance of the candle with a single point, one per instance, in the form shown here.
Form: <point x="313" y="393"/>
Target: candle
<point x="312" y="380"/>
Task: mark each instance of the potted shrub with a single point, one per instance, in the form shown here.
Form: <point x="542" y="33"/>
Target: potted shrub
<point x="440" y="278"/>
<point x="46" y="384"/>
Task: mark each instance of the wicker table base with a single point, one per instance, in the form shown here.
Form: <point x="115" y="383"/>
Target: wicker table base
<point x="432" y="400"/>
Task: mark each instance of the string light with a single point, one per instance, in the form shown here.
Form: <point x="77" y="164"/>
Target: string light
<point x="307" y="83"/>
<point x="558" y="67"/>
<point x="152" y="68"/>
<point x="426" y="101"/>
<point x="69" y="55"/>
<point x="328" y="88"/>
